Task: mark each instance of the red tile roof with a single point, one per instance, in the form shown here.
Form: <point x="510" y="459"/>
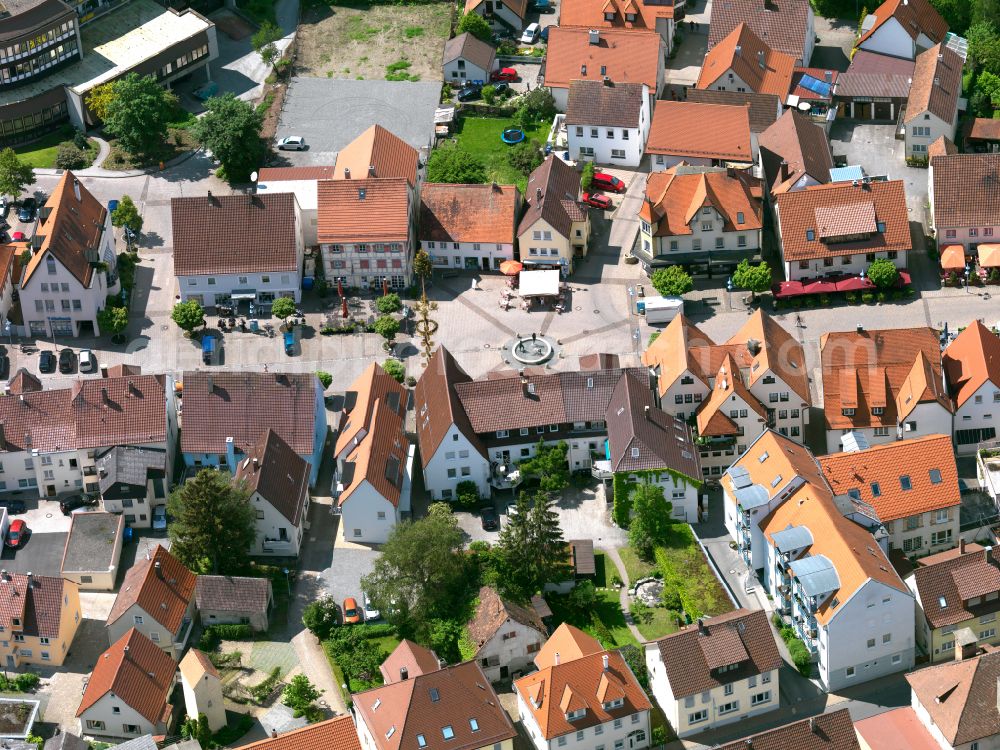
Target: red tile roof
<point x="377" y="153"/>
<point x="278" y="474"/>
<point x="832" y="731"/>
<point x="412" y="657"/>
<point x="624" y="56"/>
<point x="782" y="24"/>
<point x="360" y="210"/>
<point x="591" y="14"/>
<point x="960" y="697"/>
<point x="160" y="585"/>
<point x="803" y="147"/>
<point x="800" y="214"/>
<point x="437" y="406"/>
<point x="278" y="174"/>
<point x="928" y="462"/>
<point x="762" y="69"/>
<point x="609" y="104"/>
<point x="553" y="195"/>
<point x="675" y="196"/>
<point x="985" y="129"/>
<point x="899" y="727"/>
<point x="946" y="585"/>
<point x="380" y="458"/>
<point x="493" y="612"/>
<point x="38" y="607"/>
<point x="569" y="643"/>
<point x="937" y="84"/>
<point x="469" y="213"/>
<point x="966" y="190"/>
<point x="971" y="361"/>
<point x="914" y="16"/>
<point x="676" y="130"/>
<point x="138" y="672"/>
<point x="338" y="733"/>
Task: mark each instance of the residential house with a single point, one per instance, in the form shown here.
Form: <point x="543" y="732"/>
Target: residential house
<point x="502" y="15"/>
<point x="595" y="54"/>
<point x="902" y="28"/>
<point x="366" y="231"/>
<point x="885" y="384"/>
<point x="700" y="216"/>
<point x="301" y="182"/>
<point x="51" y="439"/>
<point x="932" y="107"/>
<point x="372" y="480"/>
<point x="157" y="599"/>
<point x="555" y="228"/>
<point x="764" y="384"/>
<point x="225" y="414"/>
<point x="787" y="25"/>
<point x="93" y="550"/>
<point x="764" y="109"/>
<point x="957" y="702"/>
<point x="233" y="248"/>
<point x="629" y="15"/>
<point x="408" y="658"/>
<point x="826" y="573"/>
<point x="898" y="727"/>
<point x="337" y="733"/>
<point x="607" y="122"/>
<point x="202" y="688"/>
<point x="972" y="371"/>
<point x="378" y="153"/>
<point x="129" y="689"/>
<point x="646" y="445"/>
<point x="794" y="154"/>
<point x="677" y="135"/>
<point x="450" y="450"/>
<point x="234" y="600"/>
<point x="983" y="136"/>
<point x="874" y="87"/>
<point x="10" y="274"/>
<point x="276" y="479"/>
<point x="743" y="62"/>
<point x="957" y="592"/>
<point x="723" y="669"/>
<point x="506" y="635"/>
<point x="423" y="703"/>
<point x="584" y="694"/>
<point x="842" y="227"/>
<point x="72" y="268"/>
<point x="910" y="485"/>
<point x="943" y="146"/>
<point x="469" y="226"/>
<point x="132" y="482"/>
<point x="832" y="731"/>
<point x="467" y="58"/>
<point x="963" y="189"/>
<point x="41" y="615"/>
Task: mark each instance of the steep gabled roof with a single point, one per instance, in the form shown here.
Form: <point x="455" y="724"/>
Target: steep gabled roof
<point x="937" y="84"/>
<point x="380" y="457"/>
<point x="799" y="142"/>
<point x="553" y="195"/>
<point x="713" y="421"/>
<point x="375" y="209"/>
<point x="278" y="474"/>
<point x="570" y="643"/>
<point x="915" y="16"/>
<point x="971" y="361"/>
<point x="960" y="697"/>
<point x="469" y="213"/>
<point x="591" y="14"/>
<point x="438" y="407"/>
<point x="412" y="657"/>
<point x="36" y="601"/>
<point x="764" y="108"/>
<point x="465" y="46"/>
<point x="338" y="733"/>
<point x="784" y="25"/>
<point x="946" y="585"/>
<point x="160" y="585"/>
<point x="493" y="612"/>
<point x="670" y="353"/>
<point x="966" y="190"/>
<point x="624" y="56"/>
<point x="676" y="130"/>
<point x="607" y="104"/>
<point x="675" y="196"/>
<point x="377" y="152"/>
<point x="760" y="67"/>
<point x="832" y="731"/>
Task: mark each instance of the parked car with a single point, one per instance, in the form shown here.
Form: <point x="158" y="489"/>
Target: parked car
<point x="488" y="518"/>
<point x="530" y="35"/>
<point x="371" y="614"/>
<point x="14" y="507"/>
<point x="542" y="6"/>
<point x="68" y="504"/>
<point x="88" y="362"/>
<point x="4" y="366"/>
<point x="352" y="615"/>
<point x="17" y="533"/>
<point x="27" y="210"/>
<point x="289" y="339"/>
<point x="292" y="143"/>
<point x="544" y="34"/>
<point x="605" y="181"/>
<point x="208" y="348"/>
<point x="160" y="518"/>
<point x="469" y="92"/>
<point x="46" y="361"/>
<point x="501" y="89"/>
<point x="504" y="74"/>
<point x="67" y="361"/>
<point x="597" y="200"/>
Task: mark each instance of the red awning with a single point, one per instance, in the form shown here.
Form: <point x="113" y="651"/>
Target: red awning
<point x="854" y="284"/>
<point x="820" y="286"/>
<point x="788" y="289"/>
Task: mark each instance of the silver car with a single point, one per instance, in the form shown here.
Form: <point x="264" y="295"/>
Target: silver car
<point x="292" y="143"/>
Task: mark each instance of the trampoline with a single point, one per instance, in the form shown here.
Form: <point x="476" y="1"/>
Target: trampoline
<point x="511" y="136"/>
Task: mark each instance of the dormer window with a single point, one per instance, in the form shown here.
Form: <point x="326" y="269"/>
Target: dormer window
<point x="616" y="703"/>
<point x="609" y="15"/>
<point x="630" y="17"/>
<point x="847" y="412"/>
<point x="878" y="410"/>
<point x="574" y="715"/>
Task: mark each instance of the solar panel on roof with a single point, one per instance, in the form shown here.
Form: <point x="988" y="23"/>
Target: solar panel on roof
<point x="815" y="85"/>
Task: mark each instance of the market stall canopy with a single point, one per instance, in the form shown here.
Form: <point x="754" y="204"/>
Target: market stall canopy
<point x="510" y="268"/>
<point x="854" y="284"/>
<point x="989" y="256"/>
<point x="539" y="283"/>
<point x="953" y="258"/>
<point x="788" y="289"/>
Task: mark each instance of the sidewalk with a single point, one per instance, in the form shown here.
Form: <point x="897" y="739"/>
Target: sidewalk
<point x="316" y="667"/>
<point x="612" y="554"/>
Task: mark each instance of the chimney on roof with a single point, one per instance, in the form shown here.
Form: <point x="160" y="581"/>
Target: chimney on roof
<point x="645" y="411"/>
<point x="371" y="170"/>
<point x="961" y="542"/>
<point x="937" y="81"/>
<point x="404" y="673"/>
<point x="274" y="733"/>
<point x="861" y="328"/>
<point x="828" y="76"/>
<point x="256" y="463"/>
<point x="701" y="627"/>
<point x="125" y="650"/>
<point x="595" y="36"/>
<point x="76" y="189"/>
<point x="607" y="81"/>
<point x="753" y="346"/>
<point x="31" y="578"/>
<point x="760" y="59"/>
<point x="495" y="187"/>
<point x="739" y="49"/>
<point x="749" y="743"/>
<point x="347" y="173"/>
<point x="159" y="570"/>
<point x="604" y="661"/>
<point x="538" y="193"/>
<point x="104" y="396"/>
<point x="812" y="725"/>
<point x="209" y="197"/>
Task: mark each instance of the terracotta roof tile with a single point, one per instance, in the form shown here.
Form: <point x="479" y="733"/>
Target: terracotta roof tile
<point x="937" y="84"/>
<point x="693" y="656"/>
<point x="519" y="7"/>
<point x="763" y="69"/>
<point x="960" y="697"/>
<point x="377" y="152"/>
<point x="242" y="405"/>
<point x="797" y="213"/>
<point x="469" y="213"/>
<point x="805" y="92"/>
<point x="871" y="74"/>
<point x="38" y="607"/>
<point x="879" y="367"/>
<point x="492" y="613"/>
<point x="279" y="174"/>
<point x="670" y="353"/>
<point x="943" y="146"/>
<point x="676" y="195"/>
<point x="72" y="230"/>
<point x="437" y="405"/>
<point x="338" y="733"/>
<point x="712" y="417"/>
<point x="764" y="109"/>
<point x="966" y="190"/>
<point x="278" y="474"/>
<point x="570" y="643"/>
<point x="232" y="593"/>
<point x="946" y="586"/>
<point x="799" y="142"/>
<point x="408" y="655"/>
<point x="137" y="671"/>
<point x="611" y="104"/>
<point x="380" y="457"/>
<point x="832" y="731"/>
<point x="782" y="24"/>
<point x="357" y="210"/>
<point x="899" y="727"/>
<point x="985" y="129"/>
<point x="160" y="585"/>
<point x="196" y="665"/>
<point x="971" y="361"/>
<point x="677" y="130"/>
<point x="552" y="195"/>
<point x="467" y="47"/>
<point x="915" y="16"/>
<point x="24" y="382"/>
<point x="591" y="14"/>
<point x="228" y="234"/>
<point x="625" y="56"/>
<point x="929" y="462"/>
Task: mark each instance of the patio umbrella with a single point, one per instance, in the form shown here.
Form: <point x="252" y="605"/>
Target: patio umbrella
<point x="343" y="306"/>
<point x="953" y="258"/>
<point x="511" y="268"/>
<point x="820" y="286"/>
<point x="989" y="256"/>
<point x="340" y="287"/>
<point x="854" y="284"/>
<point x="904" y="279"/>
<point x="788" y="289"/>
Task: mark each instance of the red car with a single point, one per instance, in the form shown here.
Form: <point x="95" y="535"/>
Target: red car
<point x="17" y="533"/>
<point x="504" y="74"/>
<point x="352" y="615"/>
<point x="18" y="237"/>
<point x="605" y="181"/>
<point x="597" y="200"/>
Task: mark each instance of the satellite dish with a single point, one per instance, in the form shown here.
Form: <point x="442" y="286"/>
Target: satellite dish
<point x="253" y="177"/>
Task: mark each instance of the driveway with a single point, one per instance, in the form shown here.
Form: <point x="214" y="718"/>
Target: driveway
<point x="835" y="40"/>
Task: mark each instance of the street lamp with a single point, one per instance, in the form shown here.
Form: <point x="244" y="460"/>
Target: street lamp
<point x="968" y="271"/>
<point x="288" y="586"/>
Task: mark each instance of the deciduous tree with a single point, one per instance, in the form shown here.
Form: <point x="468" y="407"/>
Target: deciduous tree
<point x="883" y="273"/>
<point x="476" y="25"/>
<point x="672" y="281"/>
<point x="138" y="112"/>
<point x="263" y="42"/>
<point x="15" y="175"/>
<point x="231" y="129"/>
<point x="650" y="520"/>
<point x="752" y="278"/>
<point x="454" y="165"/>
<point x="283" y="307"/>
<point x="113" y="319"/>
<point x="188" y="315"/>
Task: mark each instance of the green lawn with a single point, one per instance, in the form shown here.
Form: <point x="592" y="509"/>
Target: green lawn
<point x="481" y="136"/>
<point x="686" y="571"/>
<point x="41" y="154"/>
<point x="635" y="567"/>
<point x="664" y="622"/>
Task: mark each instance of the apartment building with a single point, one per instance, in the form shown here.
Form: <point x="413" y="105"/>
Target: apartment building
<point x="555" y="228"/>
<point x="961" y="188"/>
<point x="972" y="370"/>
<point x="607" y="121"/>
<point x="932" y="106"/>
<point x="39" y="616"/>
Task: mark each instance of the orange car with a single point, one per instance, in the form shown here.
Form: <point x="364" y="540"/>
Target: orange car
<point x="352" y="615"/>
